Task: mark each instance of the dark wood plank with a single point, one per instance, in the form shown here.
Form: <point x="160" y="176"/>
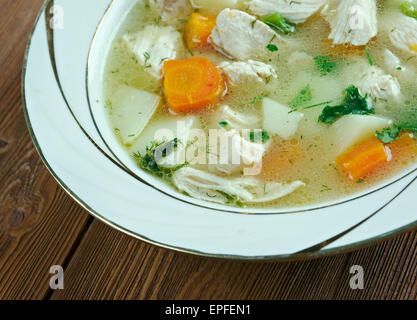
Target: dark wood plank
<point x="109" y="265"/>
<point x="39" y="223"/>
<point x="390" y="270"/>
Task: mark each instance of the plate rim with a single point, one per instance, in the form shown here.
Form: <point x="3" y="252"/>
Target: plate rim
<point x="320" y="253"/>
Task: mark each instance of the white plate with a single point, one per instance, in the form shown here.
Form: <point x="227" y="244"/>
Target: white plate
<point x="70" y="132"/>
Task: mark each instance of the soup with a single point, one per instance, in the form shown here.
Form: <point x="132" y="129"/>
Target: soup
<point x="266" y="103"/>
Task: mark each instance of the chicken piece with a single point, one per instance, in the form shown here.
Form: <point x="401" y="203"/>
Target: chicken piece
<point x="351" y="21"/>
<point x="393" y="63"/>
<point x="154" y="45"/>
<point x="250" y="71"/>
<point x="232" y="119"/>
<point x="172" y="10"/>
<point x="377" y="84"/>
<point x="205" y="186"/>
<point x="403" y="33"/>
<point x="230" y="153"/>
<point x="293" y="11"/>
<point x="238" y="34"/>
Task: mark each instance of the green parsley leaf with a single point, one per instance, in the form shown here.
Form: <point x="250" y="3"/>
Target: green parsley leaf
<point x="389" y="134"/>
<point x="325" y="64"/>
<point x="223" y="124"/>
<point x="305" y="95"/>
<point x="353" y="103"/>
<point x="272" y="47"/>
<point x="278" y="23"/>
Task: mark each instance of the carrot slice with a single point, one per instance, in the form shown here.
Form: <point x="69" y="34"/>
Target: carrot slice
<point x="404" y="146"/>
<point x="363" y="159"/>
<point x="192" y="84"/>
<point x="198" y="29"/>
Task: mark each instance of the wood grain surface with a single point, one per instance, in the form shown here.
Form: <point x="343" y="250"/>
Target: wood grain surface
<point x="41" y="226"/>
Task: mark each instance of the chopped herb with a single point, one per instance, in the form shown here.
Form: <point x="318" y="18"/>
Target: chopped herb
<point x="360" y="181"/>
<point x="272" y="47"/>
<point x="258" y="99"/>
<point x="278" y="23"/>
<point x="325" y="188"/>
<point x="147" y="57"/>
<point x="223" y="124"/>
<point x="409" y="9"/>
<point x="302" y="97"/>
<point x="325" y="64"/>
<point x="318" y="104"/>
<point x="187" y="47"/>
<point x="257" y="136"/>
<point x="135" y="59"/>
<point x="368" y="55"/>
<point x="399" y="68"/>
<point x="389" y="134"/>
<point x="268" y="79"/>
<point x="231" y="199"/>
<point x="353" y="103"/>
<point x="155" y="152"/>
<point x="253" y="24"/>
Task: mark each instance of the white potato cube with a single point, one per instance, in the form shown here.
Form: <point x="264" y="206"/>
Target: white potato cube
<point x="280" y="119"/>
<point x="132" y="110"/>
<point x="351" y="129"/>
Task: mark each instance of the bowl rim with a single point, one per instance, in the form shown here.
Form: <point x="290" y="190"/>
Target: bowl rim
<point x="313" y="252"/>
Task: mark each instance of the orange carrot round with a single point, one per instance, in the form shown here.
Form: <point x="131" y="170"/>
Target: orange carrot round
<point x="198" y="29"/>
<point x="363" y="159"/>
<point x="192" y="84"/>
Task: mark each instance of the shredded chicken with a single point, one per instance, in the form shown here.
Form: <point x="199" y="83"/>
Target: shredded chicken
<point x="237" y="120"/>
<point x="154" y="45"/>
<point x="403" y="33"/>
<point x="235" y="153"/>
<point x="238" y="34"/>
<point x="294" y="11"/>
<point x="377" y="84"/>
<point x="205" y="186"/>
<point x="393" y="63"/>
<point x="351" y="21"/>
<point x="250" y="71"/>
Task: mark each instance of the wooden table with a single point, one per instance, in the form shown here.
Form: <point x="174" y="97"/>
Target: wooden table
<point x="41" y="226"/>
